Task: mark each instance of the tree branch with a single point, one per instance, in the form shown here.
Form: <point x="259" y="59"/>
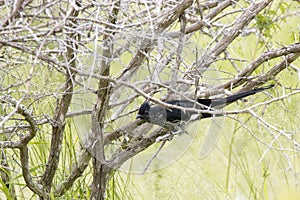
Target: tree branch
<point x="203" y="22"/>
<point x="22" y="145"/>
<point x="239" y="24"/>
<point x="58" y="126"/>
<point x="14" y="13"/>
<point x="101" y="172"/>
<point x="244" y="74"/>
<point x="77" y="171"/>
<point x="147" y="44"/>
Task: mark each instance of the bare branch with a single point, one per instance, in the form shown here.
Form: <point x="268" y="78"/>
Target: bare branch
<point x="77" y="171"/>
<point x="147" y="44"/>
<point x="203" y="22"/>
<point x="241" y="22"/>
<point x="100" y="171"/>
<point x="14" y="13"/>
<point x="275" y="70"/>
<point x="244" y="74"/>
<point x="60" y="112"/>
<point x="22" y="145"/>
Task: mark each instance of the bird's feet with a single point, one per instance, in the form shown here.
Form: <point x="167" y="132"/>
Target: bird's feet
<point x="174" y="129"/>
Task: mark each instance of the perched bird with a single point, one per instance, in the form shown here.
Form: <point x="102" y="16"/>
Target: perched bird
<point x="160" y="115"/>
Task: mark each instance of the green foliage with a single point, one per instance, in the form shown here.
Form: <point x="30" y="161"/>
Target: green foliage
<point x="270" y="21"/>
<point x="265" y="24"/>
<point x="5" y="190"/>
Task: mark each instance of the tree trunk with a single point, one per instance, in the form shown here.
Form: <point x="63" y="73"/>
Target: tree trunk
<point x="101" y="176"/>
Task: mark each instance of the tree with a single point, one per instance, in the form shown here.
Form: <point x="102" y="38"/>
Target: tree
<point x="82" y="68"/>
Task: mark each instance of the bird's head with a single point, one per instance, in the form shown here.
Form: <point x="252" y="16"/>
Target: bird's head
<point x="144" y="111"/>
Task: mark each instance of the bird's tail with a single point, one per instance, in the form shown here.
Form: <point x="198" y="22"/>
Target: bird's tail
<point x="230" y="99"/>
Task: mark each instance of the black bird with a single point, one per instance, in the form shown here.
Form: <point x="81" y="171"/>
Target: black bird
<point x="158" y="114"/>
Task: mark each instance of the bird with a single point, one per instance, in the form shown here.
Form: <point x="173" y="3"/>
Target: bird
<point x="159" y="115"/>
